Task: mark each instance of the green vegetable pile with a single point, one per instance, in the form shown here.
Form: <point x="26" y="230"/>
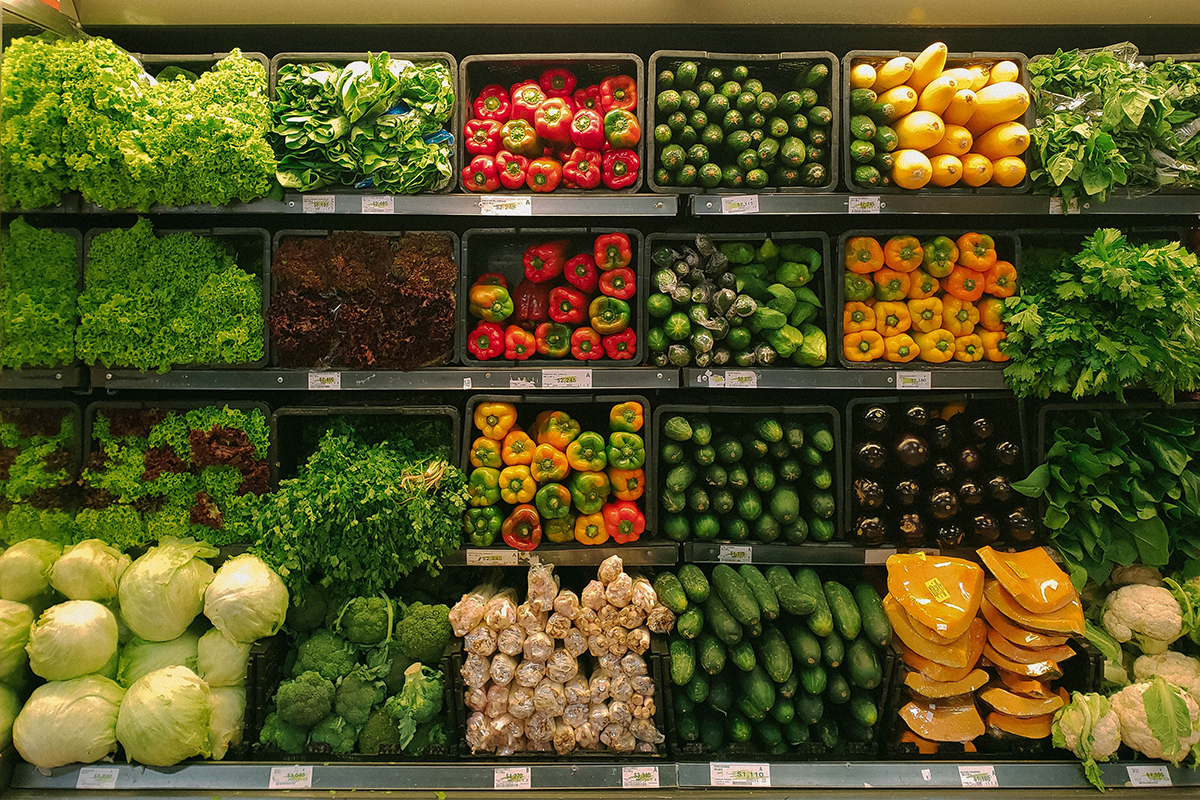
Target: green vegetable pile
<point x="36" y="473"/>
<point x="38" y="277"/>
<point x="773" y="662"/>
<point x="83" y="116"/>
<point x="1111" y="315"/>
<point x="739" y="478"/>
<point x="377" y="123"/>
<point x="155" y="302"/>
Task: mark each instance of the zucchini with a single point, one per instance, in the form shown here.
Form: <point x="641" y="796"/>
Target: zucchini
<point x="844" y="609"/>
<point x="683" y="703"/>
<point x="784" y="710"/>
<point x="720" y="693"/>
<point x="768" y="732"/>
<point x="859" y="734"/>
<point x="813" y="679"/>
<point x="752" y="711"/>
<point x="863" y="709"/>
<point x="683" y="661"/>
<point x="809" y="708"/>
<point x="742" y="656"/>
<point x="721" y="622"/>
<point x="701" y="432"/>
<point x="681" y="477"/>
<point x="711" y="653"/>
<point x="738" y="727"/>
<point x="764" y="595"/>
<point x="697" y="687"/>
<point x="827" y="732"/>
<point x="695" y="585"/>
<point x="820" y="621"/>
<point x="712" y="733"/>
<point x="735" y="594"/>
<point x="688" y="728"/>
<point x="833" y="650"/>
<point x="837" y="691"/>
<point x="690" y="623"/>
<point x="758" y="687"/>
<point x="862" y="664"/>
<point x="875" y="624"/>
<point x="805" y="647"/>
<point x="795" y="732"/>
<point x="775" y="655"/>
<point x="789" y="595"/>
<point x="670" y="592"/>
<point x="789" y="687"/>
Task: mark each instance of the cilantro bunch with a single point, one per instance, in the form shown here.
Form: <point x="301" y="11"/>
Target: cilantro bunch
<point x="38" y="277"/>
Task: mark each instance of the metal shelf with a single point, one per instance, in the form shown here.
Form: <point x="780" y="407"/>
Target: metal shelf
<point x="836" y="378"/>
<point x="549" y="204"/>
<point x="947" y="204"/>
<point x="828" y="553"/>
<point x="59" y="378"/>
<point x="642" y="553"/>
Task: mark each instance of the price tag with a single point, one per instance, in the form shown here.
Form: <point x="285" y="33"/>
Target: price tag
<point x="877" y="555"/>
<point x="318" y="381"/>
<point x="511" y="778"/>
<point x="1056" y="205"/>
<point x="491" y="558"/>
<point x="864" y="204"/>
<point x="101" y="778"/>
<point x="740" y="204"/>
<point x="318" y="204"/>
<point x="926" y="775"/>
<point x="756" y="775"/>
<point x="506" y="206"/>
<point x="978" y="777"/>
<point x="466" y="383"/>
<point x="735" y="554"/>
<point x="566" y="379"/>
<point x="914" y="380"/>
<point x="378" y="204"/>
<point x="937" y="590"/>
<point x="1149" y="775"/>
<point x="733" y="379"/>
<point x="639" y="777"/>
<point x="294" y="777"/>
<point x="515" y="382"/>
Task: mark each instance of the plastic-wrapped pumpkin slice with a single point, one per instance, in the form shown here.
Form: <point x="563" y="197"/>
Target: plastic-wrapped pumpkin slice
<point x="1031" y="577"/>
<point x="1019" y="684"/>
<point x="1014" y="633"/>
<point x="998" y="697"/>
<point x="1044" y="670"/>
<point x="919" y="684"/>
<point x="939" y="592"/>
<point x="957" y="653"/>
<point x="1025" y="655"/>
<point x="942" y="721"/>
<point x="1068" y="619"/>
<point x="1024" y="727"/>
<point x="935" y="671"/>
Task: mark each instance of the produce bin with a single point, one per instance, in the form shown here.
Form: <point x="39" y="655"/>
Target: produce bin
<point x="1184" y="58"/>
<point x="501" y="251"/>
<point x="779" y="70"/>
<point x="155" y="63"/>
<point x="477" y="71"/>
<point x="1008" y="248"/>
<point x="952" y="60"/>
<point x="77" y="236"/>
<point x="822" y="285"/>
<point x="263" y="674"/>
<point x="250" y="247"/>
<point x="74" y="445"/>
<point x="291" y="233"/>
<point x="735" y="415"/>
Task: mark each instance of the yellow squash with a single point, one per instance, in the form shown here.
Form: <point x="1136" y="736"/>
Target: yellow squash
<point x="893" y="73"/>
<point x="1004" y="71"/>
<point x="947" y="170"/>
<point x="996" y="103"/>
<point x="937" y="95"/>
<point x="1005" y="139"/>
<point x="919" y="130"/>
<point x="979" y="76"/>
<point x="902" y="98"/>
<point x="928" y="65"/>
<point x="911" y="169"/>
<point x="862" y="76"/>
<point x="1008" y="171"/>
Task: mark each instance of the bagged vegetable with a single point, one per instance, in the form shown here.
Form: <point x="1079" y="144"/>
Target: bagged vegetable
<point x="562" y="666"/>
<point x="468" y="612"/>
<point x="165" y="717"/>
<point x="644" y="730"/>
<point x="610" y="664"/>
<point x="619" y="712"/>
<point x="619" y="591"/>
<point x="163" y="591"/>
<point x="89" y="570"/>
<point x="567" y="604"/>
<point x="69" y="722"/>
<point x="643" y="706"/>
<point x="501" y="611"/>
<point x="497" y="701"/>
<point x="476" y="698"/>
<point x="530" y="673"/>
<point x="575" y="714"/>
<point x="631" y="616"/>
<point x="72" y="639"/>
<point x="538" y="647"/>
<point x="511" y="641"/>
<point x="520" y="701"/>
<point x="246" y="599"/>
<point x="633" y="664"/>
<point x="620" y="688"/>
<point x="593" y="595"/>
<point x="504" y="669"/>
<point x="564" y="738"/>
<point x="610" y="568"/>
<point x="575" y="642"/>
<point x="660" y="620"/>
<point x="476" y="732"/>
<point x="25" y="569"/>
<point x="475" y="670"/>
<point x="481" y="641"/>
<point x="586" y="736"/>
<point x="616" y="737"/>
<point x="540" y="727"/>
<point x="557" y="626"/>
<point x="530" y="619"/>
<point x="228" y="719"/>
<point x="643" y="684"/>
<point x="597" y="645"/>
<point x="644" y="596"/>
<point x="598" y="715"/>
<point x="577" y="690"/>
<point x="599" y="686"/>
<point x="140" y="657"/>
<point x="15" y="622"/>
<point x="607" y="616"/>
<point x="638" y="640"/>
<point x="549" y="698"/>
<point x="542" y="587"/>
<point x="221" y="662"/>
<point x="588" y="622"/>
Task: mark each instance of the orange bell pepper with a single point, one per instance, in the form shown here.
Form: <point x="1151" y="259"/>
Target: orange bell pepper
<point x="959" y="316"/>
<point x="903" y="253"/>
<point x="976" y="251"/>
<point x="627" y="416"/>
<point x="863" y="255"/>
<point x="494" y="420"/>
<point x="862" y="346"/>
<point x="922" y="285"/>
<point x="965" y="284"/>
<point x="627" y="484"/>
<point x="1001" y="279"/>
<point x="858" y="317"/>
<point x="485" y="452"/>
<point x="991" y="345"/>
<point x="891" y="319"/>
<point x="991" y="313"/>
<point x="590" y="529"/>
<point x="926" y="315"/>
<point x="557" y="429"/>
<point x="516" y="485"/>
<point x="937" y="346"/>
<point x="968" y="348"/>
<point x="518" y="449"/>
<point x="900" y="348"/>
<point x="549" y="464"/>
<point x="891" y="285"/>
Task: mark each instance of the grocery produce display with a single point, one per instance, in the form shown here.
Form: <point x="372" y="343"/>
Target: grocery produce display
<point x="39" y="279"/>
<point x="363" y="301"/>
<point x="553" y="478"/>
<point x="780" y="664"/>
<point x="556" y="126"/>
<point x="734" y="124"/>
<point x="935" y="120"/>
<point x="935" y="301"/>
<point x="730" y="300"/>
<point x="532" y="298"/>
<point x="739" y="474"/>
<point x="39" y="464"/>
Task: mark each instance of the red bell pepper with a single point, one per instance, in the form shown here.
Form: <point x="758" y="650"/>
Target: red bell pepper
<point x="491" y="279"/>
<point x="557" y="82"/>
<point x="587" y="98"/>
<point x="532" y="302"/>
<point x="523" y="528"/>
<point x="511" y="169"/>
<point x="619" y="283"/>
<point x="552" y="121"/>
<point x="587" y="129"/>
<point x="619" y="346"/>
<point x="618" y="91"/>
<point x="486" y="341"/>
<point x="581" y="168"/>
<point x="621" y="128"/>
<point x="581" y="272"/>
<point x="480" y="175"/>
<point x="543" y="175"/>
<point x="585" y="345"/>
<point x="552" y="339"/>
<point x="493" y="103"/>
<point x="544" y="261"/>
<point x="624" y="521"/>
<point x="482" y="137"/>
<point x="519" y="344"/>
<point x="612" y="251"/>
<point x="525" y="101"/>
<point x="620" y="168"/>
<point x="568" y="306"/>
<point x="518" y="136"/>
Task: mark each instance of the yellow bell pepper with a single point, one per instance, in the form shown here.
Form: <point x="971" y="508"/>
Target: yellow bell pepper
<point x="549" y="464"/>
<point x="891" y="318"/>
<point x="968" y="348"/>
<point x="516" y="485"/>
<point x="590" y="529"/>
<point x="494" y="420"/>
<point x="991" y="313"/>
<point x="557" y="428"/>
<point x="858" y="317"/>
<point x="959" y="316"/>
<point x="926" y="315"/>
<point x="937" y="347"/>
<point x="922" y="285"/>
<point x="862" y="346"/>
<point x="485" y="452"/>
<point x="991" y="345"/>
<point x="518" y="449"/>
<point x="900" y="348"/>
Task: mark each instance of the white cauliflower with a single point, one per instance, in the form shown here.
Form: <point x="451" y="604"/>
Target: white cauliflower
<point x="1089" y="728"/>
<point x="1175" y="668"/>
<point x="1170" y="732"/>
<point x="1150" y="616"/>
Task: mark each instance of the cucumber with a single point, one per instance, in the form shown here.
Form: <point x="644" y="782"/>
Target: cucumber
<point x="701" y="431"/>
<point x="789" y="687"/>
<point x="735" y="594"/>
<point x="695" y="585"/>
<point x="677" y="429"/>
<point x="859" y="734"/>
<point x="862" y="664"/>
<point x="795" y="732"/>
<point x="827" y="732"/>
<point x="844" y="609"/>
<point x="738" y="727"/>
<point x="833" y="650"/>
<point x="688" y="728"/>
<point x="789" y="595"/>
<point x="720" y="693"/>
<point x="754" y="631"/>
<point x="690" y="623"/>
<point x="784" y="710"/>
<point x="742" y="656"/>
<point x="753" y="712"/>
<point x="711" y="653"/>
<point x="837" y="691"/>
<point x="758" y="687"/>
<point x="809" y="708"/>
<point x="712" y="733"/>
<point x="863" y="709"/>
<point x="683" y="703"/>
<point x="775" y="655"/>
<point x="721" y="622"/>
<point x="697" y="688"/>
<point x="820" y="436"/>
<point x="764" y="595"/>
<point x="683" y="661"/>
<point x="768" y="732"/>
<point x="681" y="477"/>
<point x="670" y="592"/>
<point x="875" y="624"/>
<point x="805" y="647"/>
<point x="820" y="621"/>
<point x="813" y="680"/>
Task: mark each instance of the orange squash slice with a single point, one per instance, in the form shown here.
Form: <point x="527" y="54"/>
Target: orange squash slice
<point x="933" y="670"/>
<point x="1015" y="634"/>
<point x="1031" y="577"/>
<point x="956" y="654"/>
<point x="920" y="684"/>
<point x="924" y="746"/>
<point x="938" y="721"/>
<point x="1025" y="727"/>
<point x="1024" y="655"/>
<point x="1030" y="687"/>
<point x="1046" y="670"/>
<point x="1015" y="705"/>
<point x="1068" y="619"/>
<point x="939" y="592"/>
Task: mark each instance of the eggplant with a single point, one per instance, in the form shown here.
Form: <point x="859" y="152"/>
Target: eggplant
<point x="912" y="450"/>
<point x="941" y="437"/>
<point x="986" y="529"/>
<point x="943" y="471"/>
<point x="1007" y="453"/>
<point x="868" y="531"/>
<point x="949" y="536"/>
<point x="1021" y="528"/>
<point x="908" y="492"/>
<point x="998" y="489"/>
<point x="871" y="455"/>
<point x="912" y="530"/>
<point x="970" y="493"/>
<point x="868" y="493"/>
<point x="968" y="459"/>
<point x="917" y="416"/>
<point x="981" y="428"/>
<point x="943" y="503"/>
<point x="875" y="419"/>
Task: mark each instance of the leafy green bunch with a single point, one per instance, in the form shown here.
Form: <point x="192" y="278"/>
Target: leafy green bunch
<point x="38" y="278"/>
<point x="36" y="471"/>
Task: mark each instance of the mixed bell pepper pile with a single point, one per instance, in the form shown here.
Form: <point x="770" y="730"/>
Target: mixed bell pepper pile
<point x="564" y="307"/>
<point x="549" y="133"/>
<point x="554" y="479"/>
<point x="929" y="301"/>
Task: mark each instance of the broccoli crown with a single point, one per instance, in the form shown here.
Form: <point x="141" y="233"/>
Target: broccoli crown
<point x="307" y="610"/>
<point x="327" y="654"/>
<point x="336" y="732"/>
<point x="356" y="695"/>
<point x="421" y="697"/>
<point x="400" y="660"/>
<point x="305" y="700"/>
<point x="379" y="732"/>
<point x="424" y="632"/>
<point x="366" y="620"/>
<point x="427" y="735"/>
<point x="286" y="737"/>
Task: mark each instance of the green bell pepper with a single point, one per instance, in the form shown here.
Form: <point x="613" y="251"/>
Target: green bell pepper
<point x="586" y="453"/>
<point x="783" y="299"/>
<point x="483" y="487"/>
<point x="482" y="525"/>
<point x="561" y="529"/>
<point x="858" y="288"/>
<point x="626" y="451"/>
<point x="608" y="315"/>
<point x="589" y="490"/>
<point x="553" y="501"/>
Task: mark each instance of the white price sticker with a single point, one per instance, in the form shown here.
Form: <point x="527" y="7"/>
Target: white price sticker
<point x="466" y="383"/>
<point x="318" y="204"/>
<point x="914" y="380"/>
<point x="740" y="204"/>
<point x="491" y="558"/>
<point x="754" y="775"/>
<point x="733" y="379"/>
<point x="639" y="777"/>
<point x="378" y="204"/>
<point x="511" y="778"/>
<point x="735" y="554"/>
<point x="566" y="379"/>
<point x="1056" y="206"/>
<point x="517" y="382"/>
<point x="1149" y="775"/>
<point x="926" y="775"/>
<point x="506" y="206"/>
<point x="978" y="777"/>
<point x="98" y="778"/>
<point x="864" y="204"/>
<point x="294" y="777"/>
<point x="319" y="381"/>
<point x="877" y="555"/>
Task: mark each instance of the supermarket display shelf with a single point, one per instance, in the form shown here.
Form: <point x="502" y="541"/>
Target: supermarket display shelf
<point x="642" y="554"/>
<point x="540" y="205"/>
<point x="826" y="553"/>
<point x="41" y="15"/>
<point x="931" y="204"/>
<point x="57" y="378"/>
<point x="911" y="377"/>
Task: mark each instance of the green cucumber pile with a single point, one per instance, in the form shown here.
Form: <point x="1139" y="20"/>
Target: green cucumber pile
<point x="742" y="478"/>
<point x="773" y="661"/>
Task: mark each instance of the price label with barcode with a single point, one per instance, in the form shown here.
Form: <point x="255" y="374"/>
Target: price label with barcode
<point x="378" y="204"/>
<point x="566" y="379"/>
<point x="1056" y="206"/>
<point x="511" y="778"/>
<point x="319" y="381"/>
<point x="733" y="379"/>
<point x="293" y="777"/>
<point x="754" y="775"/>
<point x="506" y="206"/>
<point x="735" y="554"/>
<point x="1149" y="775"/>
<point x="877" y="555"/>
<point x="639" y="777"/>
<point x="97" y="778"/>
<point x="978" y="777"/>
<point x="318" y="204"/>
<point x="491" y="558"/>
<point x="864" y="204"/>
<point x="914" y="380"/>
<point x="740" y="204"/>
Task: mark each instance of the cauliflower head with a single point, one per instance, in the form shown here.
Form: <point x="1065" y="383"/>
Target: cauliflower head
<point x="1150" y="616"/>
<point x="1174" y="668"/>
<point x="1090" y="728"/>
<point x="1157" y="719"/>
<point x="327" y="654"/>
<point x="305" y="700"/>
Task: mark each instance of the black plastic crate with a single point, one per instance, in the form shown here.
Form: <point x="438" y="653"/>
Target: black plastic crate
<point x="77" y="236"/>
<point x="778" y="68"/>
<point x="1008" y="248"/>
<point x="500" y="250"/>
<point x="822" y="286"/>
<point x="478" y="71"/>
<point x="952" y="60"/>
